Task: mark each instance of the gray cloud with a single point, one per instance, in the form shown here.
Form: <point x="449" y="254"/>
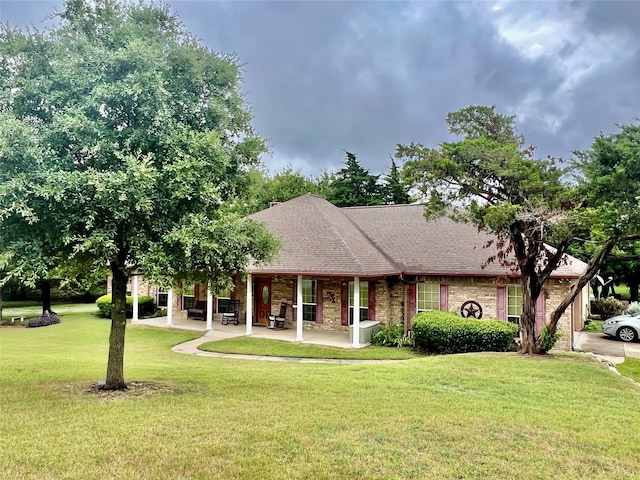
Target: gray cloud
<point x="323" y="77"/>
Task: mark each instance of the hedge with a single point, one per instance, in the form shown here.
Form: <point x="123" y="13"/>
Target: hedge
<point x="446" y="332"/>
<point x="145" y="305"/>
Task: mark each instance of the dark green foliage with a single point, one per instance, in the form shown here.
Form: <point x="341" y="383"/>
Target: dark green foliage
<point x="445" y="332"/>
<point x="548" y="340"/>
<point x="125" y="144"/>
<point x="396" y="192"/>
<point x="146" y="306"/>
<point x="393" y="335"/>
<point x="354" y="185"/>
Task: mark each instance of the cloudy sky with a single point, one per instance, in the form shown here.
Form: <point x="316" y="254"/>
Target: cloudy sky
<point x="327" y="76"/>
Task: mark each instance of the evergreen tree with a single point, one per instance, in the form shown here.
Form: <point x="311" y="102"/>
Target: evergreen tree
<point x="354" y="185"/>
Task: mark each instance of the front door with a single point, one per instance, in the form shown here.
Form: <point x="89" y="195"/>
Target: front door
<point x="263" y="300"/>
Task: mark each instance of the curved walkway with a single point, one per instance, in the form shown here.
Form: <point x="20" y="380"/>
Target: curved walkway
<point x="191" y="348"/>
<point x="599" y="345"/>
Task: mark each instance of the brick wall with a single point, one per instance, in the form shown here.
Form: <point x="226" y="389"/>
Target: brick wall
<point x="391" y="299"/>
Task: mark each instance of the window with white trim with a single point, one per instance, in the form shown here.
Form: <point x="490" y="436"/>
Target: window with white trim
<point x="514" y="303"/>
<point x="163" y="299"/>
<point x="309" y="300"/>
<point x="428" y="296"/>
<point x="188" y="296"/>
<point x="364" y="301"/>
<point x="223" y="300"/>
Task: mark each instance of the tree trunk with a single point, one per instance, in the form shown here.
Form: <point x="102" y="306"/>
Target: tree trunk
<point x="115" y="364"/>
<point x="592" y="269"/>
<point x="528" y="341"/>
<point x="0" y="304"/>
<point x="45" y="291"/>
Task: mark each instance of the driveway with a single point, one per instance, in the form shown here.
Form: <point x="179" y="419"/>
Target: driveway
<point x="603" y="345"/>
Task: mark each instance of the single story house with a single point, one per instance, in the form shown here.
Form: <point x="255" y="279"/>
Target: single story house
<point x="339" y="267"/>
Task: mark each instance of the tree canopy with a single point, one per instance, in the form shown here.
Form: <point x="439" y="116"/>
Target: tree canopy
<point x="353" y="185"/>
<point x="490" y="178"/>
<point x="132" y="142"/>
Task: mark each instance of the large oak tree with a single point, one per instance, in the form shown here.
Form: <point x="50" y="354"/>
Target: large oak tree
<point x="138" y="139"/>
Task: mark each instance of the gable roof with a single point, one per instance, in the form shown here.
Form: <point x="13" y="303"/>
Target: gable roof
<point x="320" y="238"/>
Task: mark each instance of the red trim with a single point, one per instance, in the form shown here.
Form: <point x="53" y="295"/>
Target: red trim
<point x="540" y="312"/>
<point x="344" y="304"/>
<point x="319" y="305"/>
<point x="501" y="303"/>
<point x="444" y="297"/>
<point x="372" y="300"/>
<point x="404" y="273"/>
<point x="411" y="303"/>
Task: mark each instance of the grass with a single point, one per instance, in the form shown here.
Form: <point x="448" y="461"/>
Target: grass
<point x="593" y="326"/>
<point x="630" y="368"/>
<point x="623" y="291"/>
<point x="280" y="348"/>
<point x="472" y="416"/>
<point x="27" y="311"/>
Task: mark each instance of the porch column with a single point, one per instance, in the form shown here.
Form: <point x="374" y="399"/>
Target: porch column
<point x="299" y="311"/>
<point x="170" y="307"/>
<point x="209" y="309"/>
<point x="356" y="312"/>
<point x="134" y="287"/>
<point x="249" y="320"/>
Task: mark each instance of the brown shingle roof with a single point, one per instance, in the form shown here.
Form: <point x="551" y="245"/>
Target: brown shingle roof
<point x="321" y="238"/>
<point x="317" y="237"/>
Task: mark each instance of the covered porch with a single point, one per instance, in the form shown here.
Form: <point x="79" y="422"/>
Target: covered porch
<point x="327" y="338"/>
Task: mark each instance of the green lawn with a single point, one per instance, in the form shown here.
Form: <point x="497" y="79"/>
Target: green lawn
<point x="36" y="310"/>
<point x="593" y="326"/>
<point x="474" y="416"/>
<point x="280" y="348"/>
<point x="630" y="368"/>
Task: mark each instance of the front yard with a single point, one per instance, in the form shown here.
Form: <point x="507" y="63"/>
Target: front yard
<point x="473" y="416"/>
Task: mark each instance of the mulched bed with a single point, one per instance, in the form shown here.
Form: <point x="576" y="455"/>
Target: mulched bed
<point x="135" y="389"/>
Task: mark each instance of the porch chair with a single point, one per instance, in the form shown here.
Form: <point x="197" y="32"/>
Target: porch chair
<point x="278" y="320"/>
<point x="233" y="314"/>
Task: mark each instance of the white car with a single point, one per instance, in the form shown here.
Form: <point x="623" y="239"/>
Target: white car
<point x="624" y="327"/>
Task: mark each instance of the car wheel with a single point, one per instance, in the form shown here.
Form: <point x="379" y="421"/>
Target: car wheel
<point x="627" y="334"/>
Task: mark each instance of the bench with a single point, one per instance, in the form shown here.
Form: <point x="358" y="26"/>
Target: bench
<point x="199" y="310"/>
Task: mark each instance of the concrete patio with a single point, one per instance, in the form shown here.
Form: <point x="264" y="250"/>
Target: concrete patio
<point x="219" y="331"/>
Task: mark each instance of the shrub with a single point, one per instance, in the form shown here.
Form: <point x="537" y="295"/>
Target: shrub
<point x="393" y="335"/>
<point x="548" y="340"/>
<point x="145" y="306"/>
<point x="446" y="332"/>
<point x="634" y="307"/>
<point x="43" y="321"/>
<point x="608" y="307"/>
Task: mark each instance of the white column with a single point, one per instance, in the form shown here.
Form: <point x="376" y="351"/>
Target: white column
<point x="249" y="308"/>
<point x="299" y="311"/>
<point x="134" y="287"/>
<point x="356" y="312"/>
<point x="209" y="310"/>
<point x="170" y="307"/>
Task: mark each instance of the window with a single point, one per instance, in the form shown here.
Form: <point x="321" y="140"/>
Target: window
<point x="514" y="303"/>
<point x="163" y="299"/>
<point x="188" y="297"/>
<point x="309" y="300"/>
<point x="364" y="301"/>
<point x="223" y="300"/>
<point x="428" y="294"/>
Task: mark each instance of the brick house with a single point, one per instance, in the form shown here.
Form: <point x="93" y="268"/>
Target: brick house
<point x="341" y="266"/>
